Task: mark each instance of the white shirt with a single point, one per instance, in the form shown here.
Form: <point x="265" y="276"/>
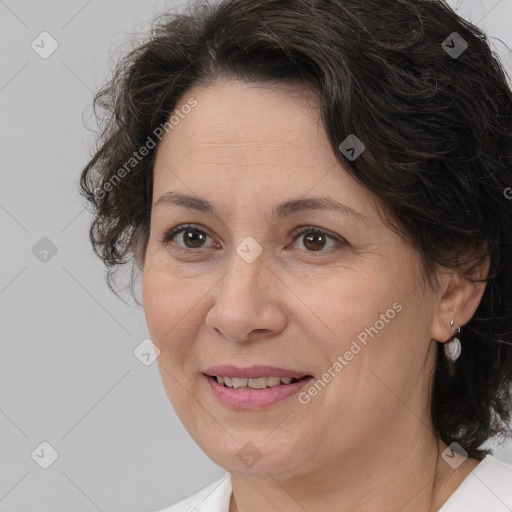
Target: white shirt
<point x="488" y="488"/>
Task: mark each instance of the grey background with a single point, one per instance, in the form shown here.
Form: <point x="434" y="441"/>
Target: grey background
<point x="68" y="375"/>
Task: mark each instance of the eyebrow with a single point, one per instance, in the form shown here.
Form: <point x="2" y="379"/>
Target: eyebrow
<point x="280" y="211"/>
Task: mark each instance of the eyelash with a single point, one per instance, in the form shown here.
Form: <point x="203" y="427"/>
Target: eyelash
<point x="298" y="233"/>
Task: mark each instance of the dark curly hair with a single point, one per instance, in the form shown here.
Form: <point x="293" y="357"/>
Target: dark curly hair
<point x="437" y="127"/>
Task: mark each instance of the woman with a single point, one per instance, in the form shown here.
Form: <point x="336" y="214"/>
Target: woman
<point x="317" y="195"/>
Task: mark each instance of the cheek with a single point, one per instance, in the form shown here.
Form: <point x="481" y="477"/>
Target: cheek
<point x="379" y="357"/>
<point x="158" y="301"/>
<point x="358" y="326"/>
<point x="168" y="307"/>
<point x="343" y="308"/>
<point x="175" y="308"/>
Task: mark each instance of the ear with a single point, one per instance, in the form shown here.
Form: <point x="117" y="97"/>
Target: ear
<point x="458" y="299"/>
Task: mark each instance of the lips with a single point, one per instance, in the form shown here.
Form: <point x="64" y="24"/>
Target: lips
<point x="253" y="372"/>
<point x="254" y="399"/>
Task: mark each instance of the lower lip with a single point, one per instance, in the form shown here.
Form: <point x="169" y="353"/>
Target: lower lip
<point x="254" y="398"/>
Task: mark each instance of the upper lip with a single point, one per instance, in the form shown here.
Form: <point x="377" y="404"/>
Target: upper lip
<point x="253" y="372"/>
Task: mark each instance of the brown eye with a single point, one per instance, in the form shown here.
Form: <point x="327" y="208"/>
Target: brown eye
<point x="192" y="237"/>
<point x="315" y="240"/>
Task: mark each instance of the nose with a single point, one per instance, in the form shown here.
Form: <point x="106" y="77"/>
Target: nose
<point x="247" y="302"/>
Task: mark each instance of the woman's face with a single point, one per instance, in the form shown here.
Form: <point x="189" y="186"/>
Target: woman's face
<point x="241" y="286"/>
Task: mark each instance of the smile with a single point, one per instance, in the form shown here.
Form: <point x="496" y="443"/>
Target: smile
<point x="260" y="383"/>
<point x="250" y="394"/>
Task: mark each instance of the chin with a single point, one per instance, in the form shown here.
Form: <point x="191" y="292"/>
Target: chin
<point x="254" y="456"/>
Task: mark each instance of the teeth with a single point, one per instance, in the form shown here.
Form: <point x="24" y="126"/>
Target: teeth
<point x="260" y="383"/>
<point x="239" y="383"/>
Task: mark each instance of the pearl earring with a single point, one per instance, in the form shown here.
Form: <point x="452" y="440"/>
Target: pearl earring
<point x="452" y="349"/>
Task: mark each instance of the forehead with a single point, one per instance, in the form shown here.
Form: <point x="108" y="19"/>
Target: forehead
<point x="234" y="119"/>
<point x="243" y="141"/>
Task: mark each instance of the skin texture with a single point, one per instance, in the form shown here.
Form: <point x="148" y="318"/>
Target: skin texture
<point x="365" y="442"/>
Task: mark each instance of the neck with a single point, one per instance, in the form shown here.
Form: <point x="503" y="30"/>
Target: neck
<point x="411" y="478"/>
